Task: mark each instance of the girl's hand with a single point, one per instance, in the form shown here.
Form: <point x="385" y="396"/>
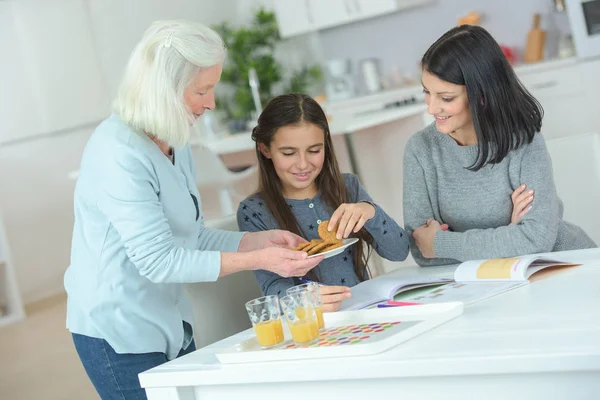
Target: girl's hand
<point x="424" y="236"/>
<point x="332" y="296"/>
<point x="272" y="238"/>
<point x="521" y="200"/>
<point x="350" y="218"/>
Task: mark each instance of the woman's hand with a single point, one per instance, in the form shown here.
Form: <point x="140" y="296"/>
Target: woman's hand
<point x="350" y="218"/>
<point x="285" y="262"/>
<point x="332" y="296"/>
<point x="521" y="200"/>
<point x="425" y="234"/>
<point x="272" y="238"/>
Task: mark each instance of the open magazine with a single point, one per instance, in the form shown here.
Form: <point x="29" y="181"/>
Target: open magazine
<point x="473" y="281"/>
<point x="504" y="269"/>
<point x="386" y="287"/>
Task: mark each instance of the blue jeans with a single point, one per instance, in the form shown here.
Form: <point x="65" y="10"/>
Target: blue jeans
<point x="115" y="376"/>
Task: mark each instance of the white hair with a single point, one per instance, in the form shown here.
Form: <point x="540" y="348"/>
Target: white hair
<point x="162" y="65"/>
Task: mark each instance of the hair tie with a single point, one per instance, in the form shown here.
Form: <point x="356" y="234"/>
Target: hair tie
<point x="168" y="40"/>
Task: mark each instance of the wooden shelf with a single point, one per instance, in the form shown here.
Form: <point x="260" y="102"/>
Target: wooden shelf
<point x="10" y="319"/>
<point x="10" y="296"/>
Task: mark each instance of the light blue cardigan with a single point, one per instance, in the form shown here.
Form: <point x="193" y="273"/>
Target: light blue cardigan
<point x="138" y="236"/>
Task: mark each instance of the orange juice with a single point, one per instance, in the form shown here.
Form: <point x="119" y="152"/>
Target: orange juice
<point x="301" y="313"/>
<point x="269" y="333"/>
<point x="320" y="320"/>
<point x="304" y="331"/>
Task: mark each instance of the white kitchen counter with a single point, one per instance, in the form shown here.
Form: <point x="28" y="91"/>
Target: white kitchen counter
<point x="339" y="126"/>
<point x="545" y="65"/>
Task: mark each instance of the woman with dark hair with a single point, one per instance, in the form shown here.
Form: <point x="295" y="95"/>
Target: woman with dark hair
<point x="300" y="186"/>
<point x="470" y="178"/>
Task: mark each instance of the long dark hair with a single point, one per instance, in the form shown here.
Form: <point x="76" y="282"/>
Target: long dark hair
<point x="505" y="115"/>
<point x="295" y="109"/>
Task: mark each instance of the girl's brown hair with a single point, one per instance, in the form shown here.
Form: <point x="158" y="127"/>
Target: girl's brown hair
<point x="293" y="110"/>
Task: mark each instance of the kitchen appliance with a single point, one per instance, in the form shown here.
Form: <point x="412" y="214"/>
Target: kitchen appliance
<point x="370" y="71"/>
<point x="340" y="82"/>
<point x="559" y="5"/>
<point x="584" y="18"/>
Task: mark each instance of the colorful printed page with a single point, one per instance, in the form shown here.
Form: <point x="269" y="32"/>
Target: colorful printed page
<point x="466" y="292"/>
<point x="504" y="269"/>
<point x="385" y="288"/>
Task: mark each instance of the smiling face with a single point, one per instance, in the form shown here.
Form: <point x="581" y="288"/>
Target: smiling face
<point x="199" y="95"/>
<point x="449" y="104"/>
<point x="298" y="154"/>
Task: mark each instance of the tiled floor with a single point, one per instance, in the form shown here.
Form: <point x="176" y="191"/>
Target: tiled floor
<point x="38" y="360"/>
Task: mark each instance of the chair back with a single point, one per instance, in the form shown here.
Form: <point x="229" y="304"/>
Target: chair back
<point x="576" y="165"/>
<point x="226" y="298"/>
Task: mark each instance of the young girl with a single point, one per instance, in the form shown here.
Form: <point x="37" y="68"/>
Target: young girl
<point x="478" y="182"/>
<point x="300" y="186"/>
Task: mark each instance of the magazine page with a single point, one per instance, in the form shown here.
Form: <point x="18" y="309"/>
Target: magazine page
<point x="466" y="292"/>
<point x="384" y="288"/>
<point x="497" y="269"/>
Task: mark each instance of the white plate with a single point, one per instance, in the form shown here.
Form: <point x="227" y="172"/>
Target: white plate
<point x="335" y="252"/>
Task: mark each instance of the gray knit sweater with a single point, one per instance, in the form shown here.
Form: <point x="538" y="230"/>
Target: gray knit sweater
<point x="477" y="205"/>
<point x="390" y="240"/>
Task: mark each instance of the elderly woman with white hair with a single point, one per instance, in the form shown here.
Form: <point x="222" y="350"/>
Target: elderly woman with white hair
<point x="139" y="234"/>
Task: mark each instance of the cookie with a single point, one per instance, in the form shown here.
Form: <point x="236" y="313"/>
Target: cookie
<point x="318" y="248"/>
<point x="332" y="246"/>
<point x="308" y="245"/>
<point x="325" y="234"/>
<point x="302" y="246"/>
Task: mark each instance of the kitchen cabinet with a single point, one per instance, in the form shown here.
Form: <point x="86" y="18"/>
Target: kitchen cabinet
<point x="591" y="77"/>
<point x="564" y="97"/>
<point x="293" y="17"/>
<point x="55" y="82"/>
<point x="369" y="8"/>
<point x="302" y="16"/>
<point x="331" y="13"/>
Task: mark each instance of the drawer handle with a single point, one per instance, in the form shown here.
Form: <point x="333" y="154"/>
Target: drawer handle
<point x="544" y="85"/>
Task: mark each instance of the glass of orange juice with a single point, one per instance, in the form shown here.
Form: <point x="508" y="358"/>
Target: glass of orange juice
<point x="300" y="313"/>
<point x="313" y="288"/>
<point x="266" y="320"/>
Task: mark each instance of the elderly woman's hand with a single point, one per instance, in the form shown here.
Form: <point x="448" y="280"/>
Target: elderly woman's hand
<point x="285" y="262"/>
<point x="273" y="238"/>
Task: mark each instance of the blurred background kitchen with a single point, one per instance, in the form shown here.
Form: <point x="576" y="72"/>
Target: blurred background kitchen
<point x="62" y="62"/>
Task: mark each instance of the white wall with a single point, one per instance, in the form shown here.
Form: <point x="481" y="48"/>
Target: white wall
<point x="119" y="24"/>
<point x="37" y="201"/>
<point x="35" y="194"/>
<point x="52" y="69"/>
<point x="16" y="103"/>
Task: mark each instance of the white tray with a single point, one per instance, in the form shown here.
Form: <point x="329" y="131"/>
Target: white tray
<point x="350" y="333"/>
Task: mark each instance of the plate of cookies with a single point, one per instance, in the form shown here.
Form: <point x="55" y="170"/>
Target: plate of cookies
<point x="327" y="245"/>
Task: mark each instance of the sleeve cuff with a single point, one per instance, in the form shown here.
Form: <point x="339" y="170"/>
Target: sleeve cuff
<point x="447" y="245"/>
<point x="206" y="268"/>
<point x="376" y="220"/>
<point x="233" y="244"/>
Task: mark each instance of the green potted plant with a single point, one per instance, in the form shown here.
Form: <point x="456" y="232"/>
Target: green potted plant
<point x="253" y="46"/>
